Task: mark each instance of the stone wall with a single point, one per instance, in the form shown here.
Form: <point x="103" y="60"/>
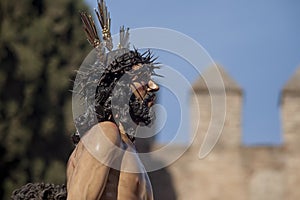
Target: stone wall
<point x="220" y="175"/>
<point x="291" y="126"/>
<point x="233" y="171"/>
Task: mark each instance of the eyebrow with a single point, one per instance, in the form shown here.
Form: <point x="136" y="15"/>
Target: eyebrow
<point x="138" y="92"/>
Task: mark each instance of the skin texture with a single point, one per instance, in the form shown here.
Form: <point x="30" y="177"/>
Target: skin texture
<point x="88" y="178"/>
<point x="90" y="175"/>
<point x="141" y="88"/>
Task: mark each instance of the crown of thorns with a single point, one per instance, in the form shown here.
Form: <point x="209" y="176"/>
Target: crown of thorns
<point x="110" y="64"/>
<point x="121" y="59"/>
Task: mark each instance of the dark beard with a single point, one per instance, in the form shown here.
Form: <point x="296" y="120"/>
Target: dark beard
<point x="130" y="114"/>
<point x="138" y="114"/>
<point x="140" y="111"/>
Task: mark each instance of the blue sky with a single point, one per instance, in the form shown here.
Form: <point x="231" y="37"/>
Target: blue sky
<point x="257" y="42"/>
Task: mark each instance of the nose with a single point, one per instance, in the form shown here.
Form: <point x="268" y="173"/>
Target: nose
<point x="152" y="86"/>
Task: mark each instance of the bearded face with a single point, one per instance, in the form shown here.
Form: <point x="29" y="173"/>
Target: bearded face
<point x="133" y="98"/>
<point x="140" y="110"/>
<point x="124" y="91"/>
<point x="143" y="96"/>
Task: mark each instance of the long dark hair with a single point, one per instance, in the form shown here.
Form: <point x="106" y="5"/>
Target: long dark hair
<point x="112" y="84"/>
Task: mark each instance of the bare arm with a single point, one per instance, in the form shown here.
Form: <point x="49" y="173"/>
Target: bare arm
<point x="86" y="174"/>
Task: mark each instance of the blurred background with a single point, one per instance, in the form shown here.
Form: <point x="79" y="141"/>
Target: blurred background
<point x="255" y="42"/>
<point x="41" y="44"/>
<point x="256" y="45"/>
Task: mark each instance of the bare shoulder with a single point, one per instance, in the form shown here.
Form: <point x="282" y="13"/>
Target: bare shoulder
<point x="109" y="127"/>
<point x="106" y="130"/>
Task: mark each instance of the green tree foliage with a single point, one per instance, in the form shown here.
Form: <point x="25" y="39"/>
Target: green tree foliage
<point x="41" y="44"/>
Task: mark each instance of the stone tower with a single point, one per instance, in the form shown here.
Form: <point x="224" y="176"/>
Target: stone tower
<point x="290" y="113"/>
<point x="220" y="174"/>
<point x="231" y="170"/>
<point x="202" y="105"/>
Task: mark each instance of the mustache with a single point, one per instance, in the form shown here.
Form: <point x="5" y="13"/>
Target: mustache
<point x="140" y="109"/>
<point x="149" y="97"/>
